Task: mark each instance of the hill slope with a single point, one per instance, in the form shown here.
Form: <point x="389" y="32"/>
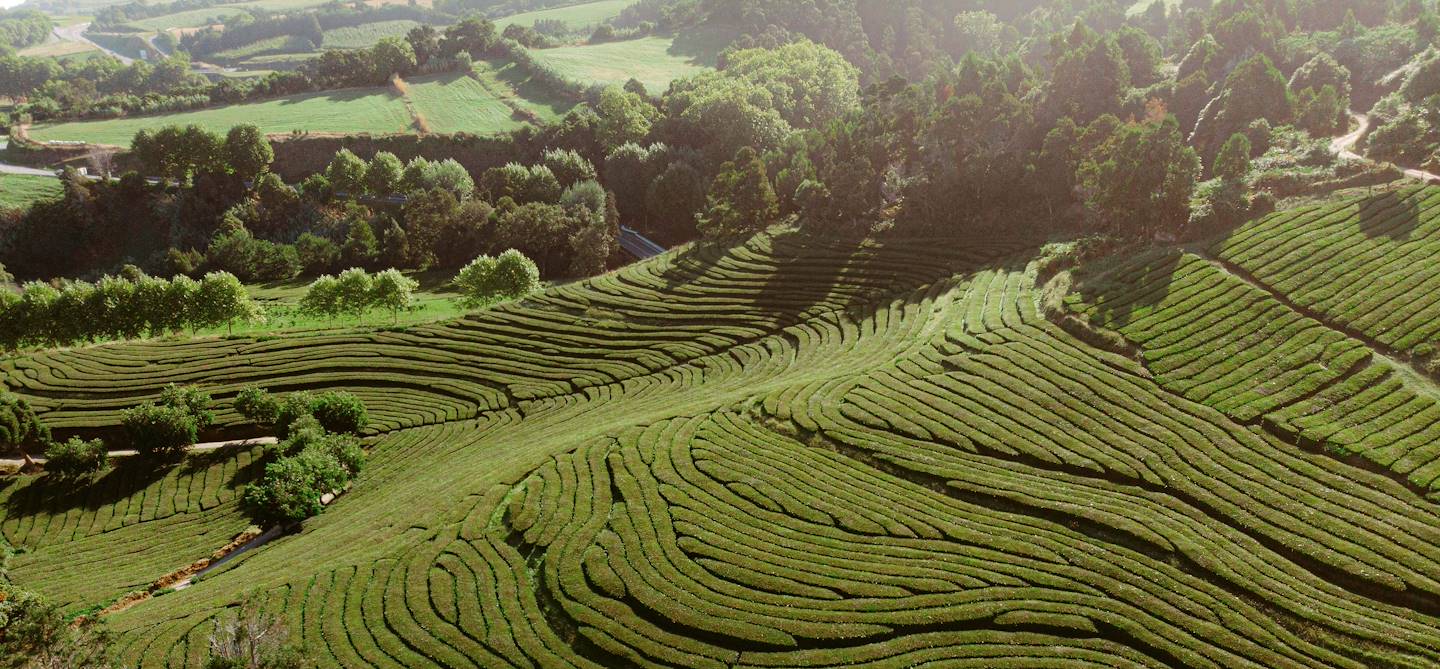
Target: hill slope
<point x="802" y="453"/>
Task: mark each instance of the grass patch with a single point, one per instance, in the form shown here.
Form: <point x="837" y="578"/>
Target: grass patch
<point x="373" y="110"/>
<point x="18" y="191"/>
<point x="575" y="16"/>
<point x="655" y="61"/>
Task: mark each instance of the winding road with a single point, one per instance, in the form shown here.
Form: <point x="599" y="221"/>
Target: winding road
<point x="76" y="33"/>
<point x="1344" y="147"/>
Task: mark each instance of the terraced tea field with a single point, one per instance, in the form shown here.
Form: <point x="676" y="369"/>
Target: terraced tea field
<point x="798" y="452"/>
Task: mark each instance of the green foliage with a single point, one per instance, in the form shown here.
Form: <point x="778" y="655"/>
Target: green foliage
<point x="624" y="117"/>
<point x="250" y="638"/>
<point x="383" y="174"/>
<point x="346" y="173"/>
<point x="486" y="279"/>
<point x="19" y="427"/>
<point x="339" y="412"/>
<point x="1140" y="179"/>
<point x="1233" y="163"/>
<point x="291" y="487"/>
<point x="741" y="198"/>
<point x="257" y="405"/>
<point x="76" y="458"/>
<point x="393" y="291"/>
<point x="569" y="167"/>
<point x="159" y="431"/>
<point x="247" y="152"/>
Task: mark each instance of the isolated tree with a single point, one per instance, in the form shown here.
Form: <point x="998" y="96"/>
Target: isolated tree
<point x="741" y="198"/>
<point x="395" y="246"/>
<point x="76" y="458"/>
<point x="393" y="291"/>
<point x="516" y="275"/>
<point x="248" y="638"/>
<point x="247" y="152"/>
<point x="1233" y="163"/>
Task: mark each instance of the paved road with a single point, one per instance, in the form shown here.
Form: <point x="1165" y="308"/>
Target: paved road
<point x="637" y="245"/>
<point x="76" y="33"/>
<point x="1345" y="148"/>
<point x="197" y="448"/>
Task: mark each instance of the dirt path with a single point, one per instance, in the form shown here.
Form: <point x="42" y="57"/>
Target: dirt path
<point x="197" y="448"/>
<point x="1344" y="147"/>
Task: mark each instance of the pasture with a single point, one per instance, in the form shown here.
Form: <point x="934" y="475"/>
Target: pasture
<point x="576" y="16"/>
<point x="654" y="60"/>
<point x="373" y="110"/>
<point x="18" y="191"/>
<point x="792" y="451"/>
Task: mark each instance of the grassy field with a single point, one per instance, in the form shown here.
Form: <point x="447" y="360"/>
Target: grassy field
<point x="19" y="191"/>
<point x="188" y="19"/>
<point x="460" y="103"/>
<point x="373" y="110"/>
<point x="576" y="16"/>
<point x="56" y="48"/>
<point x="802" y="452"/>
<point x="366" y="35"/>
<point x="655" y="61"/>
<point x="448" y="102"/>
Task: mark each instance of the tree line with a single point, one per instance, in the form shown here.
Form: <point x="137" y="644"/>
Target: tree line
<point x="119" y="307"/>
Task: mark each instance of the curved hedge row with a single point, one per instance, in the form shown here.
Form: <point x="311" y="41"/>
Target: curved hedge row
<point x="811" y="455"/>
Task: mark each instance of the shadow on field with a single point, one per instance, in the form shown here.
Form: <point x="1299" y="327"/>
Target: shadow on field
<point x="50" y="494"/>
<point x="1389" y="214"/>
<point x="1118" y="290"/>
<point x="702" y="46"/>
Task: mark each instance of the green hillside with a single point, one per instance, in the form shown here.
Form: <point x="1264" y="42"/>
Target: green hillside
<point x="802" y="452"/>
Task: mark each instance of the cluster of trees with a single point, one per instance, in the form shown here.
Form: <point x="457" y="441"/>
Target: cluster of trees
<point x="20" y="28"/>
<point x="318" y="453"/>
<point x="165" y="428"/>
<point x="98" y="87"/>
<point x="181" y="152"/>
<point x="119" y="307"/>
<point x="486" y="280"/>
<point x="1407" y="122"/>
<point x="356" y="293"/>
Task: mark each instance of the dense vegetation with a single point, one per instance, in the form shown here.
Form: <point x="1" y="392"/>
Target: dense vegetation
<point x="998" y="334"/>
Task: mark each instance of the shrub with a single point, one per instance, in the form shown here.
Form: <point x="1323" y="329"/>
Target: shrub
<point x="291" y="488"/>
<point x="257" y="405"/>
<point x="157" y="430"/>
<point x="295" y="406"/>
<point x="192" y="400"/>
<point x="76" y="458"/>
<point x="339" y="412"/>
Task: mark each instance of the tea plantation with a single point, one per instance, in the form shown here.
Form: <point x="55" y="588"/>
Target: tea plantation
<point x="799" y="452"/>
